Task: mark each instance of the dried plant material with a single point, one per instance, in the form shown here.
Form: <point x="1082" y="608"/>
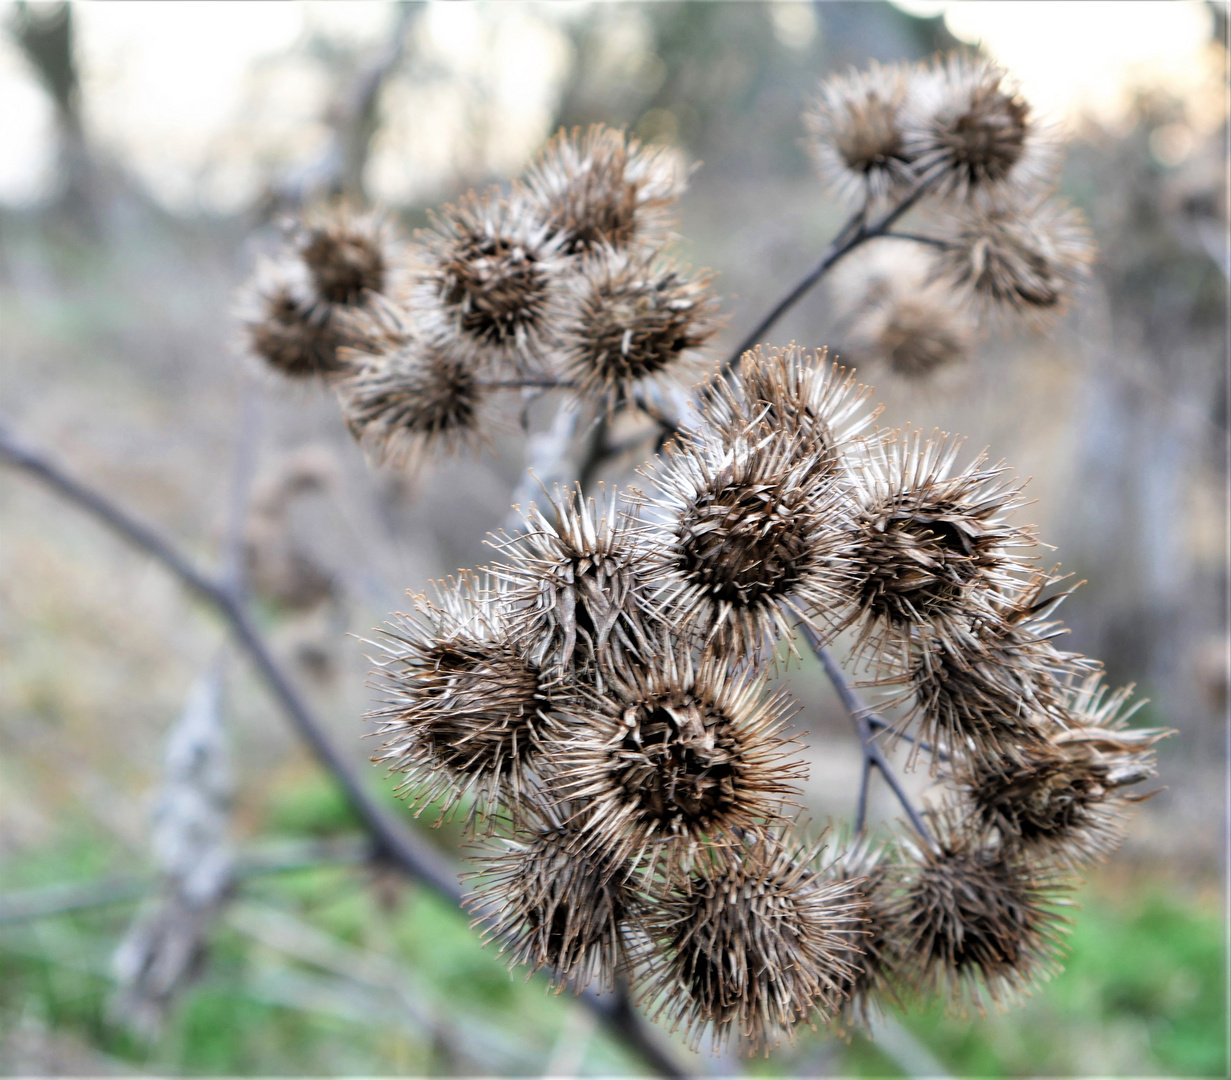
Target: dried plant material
<point x="463" y="709"/>
<point x="973" y="924"/>
<point x="754" y="940"/>
<point x="349" y="255"/>
<point x="636" y="319"/>
<point x="996" y="692"/>
<point x="750" y="540"/>
<point x="1067" y="801"/>
<point x="605" y="188"/>
<point x="551" y="906"/>
<point x="413" y="396"/>
<point x="969" y="130"/>
<point x="1028" y="259"/>
<point x="673" y="757"/>
<point x="932" y="550"/>
<point x="575" y="580"/>
<point x="793" y="393"/>
<point x="855" y="133"/>
<point x="488" y="277"/>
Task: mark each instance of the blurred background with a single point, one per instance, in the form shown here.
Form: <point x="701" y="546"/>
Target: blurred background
<point x="149" y="151"/>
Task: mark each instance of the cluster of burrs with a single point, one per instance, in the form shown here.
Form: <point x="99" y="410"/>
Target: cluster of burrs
<point x="993" y="240"/>
<point x="595" y="704"/>
<point x="564" y="281"/>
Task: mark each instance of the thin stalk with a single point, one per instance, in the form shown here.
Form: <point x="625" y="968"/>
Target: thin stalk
<point x="919" y="238"/>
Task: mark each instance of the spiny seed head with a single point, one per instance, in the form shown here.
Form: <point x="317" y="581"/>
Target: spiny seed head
<point x="754" y="940"/>
<point x="553" y="906"/>
<point x="855" y="132"/>
<point x="673" y="756"/>
<point x="1066" y="801"/>
<point x="974" y="924"/>
<point x="1026" y="259"/>
<point x="348" y="254"/>
<point x="635" y="318"/>
<point x="931" y="546"/>
<point x="969" y="130"/>
<point x="574" y="579"/>
<point x="406" y="396"/>
<point x="816" y="406"/>
<point x="749" y="541"/>
<point x="488" y="275"/>
<point x="285" y="330"/>
<point x="463" y="709"/>
<point x="605" y="188"/>
<point x="996" y="691"/>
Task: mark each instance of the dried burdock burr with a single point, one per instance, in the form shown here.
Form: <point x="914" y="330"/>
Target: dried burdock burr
<point x="932" y="550"/>
<point x="349" y="255"/>
<point x="748" y="538"/>
<point x="673" y="757"/>
<point x="1066" y="801"/>
<point x="552" y="906"/>
<point x="635" y="319"/>
<point x="1027" y="258"/>
<point x="487" y="274"/>
<point x="603" y="187"/>
<point x="286" y="331"/>
<point x="969" y="131"/>
<point x="972" y="923"/>
<point x="752" y="941"/>
<point x="855" y="133"/>
<point x="574" y="580"/>
<point x="463" y="708"/>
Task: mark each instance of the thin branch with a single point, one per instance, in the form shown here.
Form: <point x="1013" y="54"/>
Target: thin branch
<point x="392" y="842"/>
<point x="919" y="238"/>
<point x="528" y="384"/>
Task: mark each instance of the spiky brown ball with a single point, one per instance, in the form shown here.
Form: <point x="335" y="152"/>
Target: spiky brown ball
<point x="603" y="187"/>
<point x="464" y="709"/>
<point x="752" y="942"/>
<point x="855" y="133"/>
<point x="974" y="924"/>
<point x="968" y="129"/>
<point x="635" y="318"/>
<point x="673" y="756"/>
<point x="290" y="334"/>
<point x="1027" y="258"/>
<point x="552" y="906"/>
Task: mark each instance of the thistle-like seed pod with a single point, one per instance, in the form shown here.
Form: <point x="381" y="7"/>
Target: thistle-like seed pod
<point x="1066" y="801"/>
<point x="574" y="579"/>
<point x="349" y="255"/>
<point x="605" y="188"/>
<point x="673" y="756"/>
<point x="488" y="276"/>
<point x="1027" y="259"/>
<point x="412" y="395"/>
<point x="635" y="318"/>
<point x="855" y="132"/>
<point x="551" y="906"/>
<point x="750" y="539"/>
<point x="463" y="710"/>
<point x="287" y="332"/>
<point x="997" y="691"/>
<point x="931" y="549"/>
<point x="750" y="943"/>
<point x="815" y="406"/>
<point x="969" y="130"/>
<point x="973" y="923"/>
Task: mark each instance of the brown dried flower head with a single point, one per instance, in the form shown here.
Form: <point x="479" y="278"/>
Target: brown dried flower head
<point x="635" y="318"/>
<point x="1067" y="801"/>
<point x="753" y="941"/>
<point x="605" y="188"/>
<point x="463" y="708"/>
<point x="1028" y="259"/>
<point x="855" y="132"/>
<point x="553" y="906"/>
<point x="673" y="756"/>
<point x="348" y="254"/>
<point x="488" y="275"/>
<point x="286" y="331"/>
<point x="408" y="396"/>
<point x="931" y="546"/>
<point x="969" y="130"/>
<point x="973" y="924"/>
<point x="574" y="579"/>
<point x="750" y="539"/>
